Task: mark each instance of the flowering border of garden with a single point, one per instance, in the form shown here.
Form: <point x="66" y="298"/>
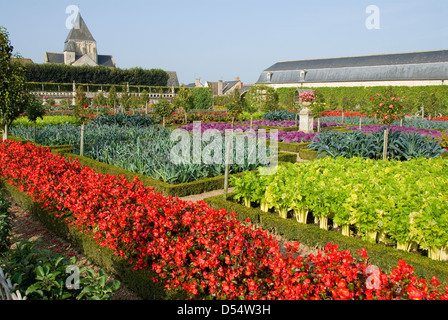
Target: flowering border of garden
<point x="137" y="280"/>
<point x="192" y="247"/>
<point x="380" y="255"/>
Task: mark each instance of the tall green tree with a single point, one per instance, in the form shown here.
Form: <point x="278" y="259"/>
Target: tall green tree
<point x="184" y="101"/>
<point x="13" y="95"/>
<point x="235" y="105"/>
<point x="262" y="98"/>
<point x="144" y="99"/>
<point x="202" y="98"/>
<point x="35" y="110"/>
<point x="125" y="99"/>
<point x="163" y="108"/>
<point x="100" y="99"/>
<point x="112" y="98"/>
<point x="82" y="113"/>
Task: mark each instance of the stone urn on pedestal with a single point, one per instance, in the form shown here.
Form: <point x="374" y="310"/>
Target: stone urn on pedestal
<point x="305" y="100"/>
<point x="306" y="119"/>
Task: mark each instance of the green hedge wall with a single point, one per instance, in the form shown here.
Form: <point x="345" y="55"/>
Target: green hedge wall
<point x="94" y="87"/>
<point x="380" y="255"/>
<point x="61" y="73"/>
<point x="434" y="98"/>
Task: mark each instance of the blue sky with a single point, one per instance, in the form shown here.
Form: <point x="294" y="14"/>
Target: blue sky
<point x="213" y="40"/>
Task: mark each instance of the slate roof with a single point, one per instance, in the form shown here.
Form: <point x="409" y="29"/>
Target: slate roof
<point x="103" y="60"/>
<point x="229" y="85"/>
<point x="52" y="57"/>
<point x="106" y="60"/>
<point x="428" y="65"/>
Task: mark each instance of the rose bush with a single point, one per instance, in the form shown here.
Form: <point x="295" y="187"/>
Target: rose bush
<point x="388" y="108"/>
<point x="204" y="251"/>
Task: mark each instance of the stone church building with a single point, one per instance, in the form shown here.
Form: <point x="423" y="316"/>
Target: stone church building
<point x="79" y="49"/>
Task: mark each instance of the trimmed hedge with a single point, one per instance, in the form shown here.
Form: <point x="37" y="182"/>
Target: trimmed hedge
<point x="53" y="149"/>
<point x="292" y="147"/>
<point x="64" y="74"/>
<point x="306" y="154"/>
<point x="139" y="281"/>
<point x="380" y="255"/>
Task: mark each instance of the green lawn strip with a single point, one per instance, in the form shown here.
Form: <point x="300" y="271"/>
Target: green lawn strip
<point x="380" y="255"/>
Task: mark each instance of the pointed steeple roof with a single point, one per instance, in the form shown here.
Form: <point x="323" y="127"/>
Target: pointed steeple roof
<point x="79" y="31"/>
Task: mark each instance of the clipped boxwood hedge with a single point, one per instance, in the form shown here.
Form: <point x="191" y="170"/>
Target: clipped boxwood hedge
<point x="292" y="147"/>
<point x="380" y="255"/>
<point x="53" y="149"/>
<point x="306" y="154"/>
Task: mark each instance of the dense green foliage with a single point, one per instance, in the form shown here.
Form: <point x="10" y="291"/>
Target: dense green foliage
<point x="13" y="96"/>
<point x="149" y="152"/>
<point x="124" y="120"/>
<point x="262" y="98"/>
<point x="202" y="98"/>
<point x="46" y="120"/>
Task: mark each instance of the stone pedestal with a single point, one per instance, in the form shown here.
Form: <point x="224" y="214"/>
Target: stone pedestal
<point x="306" y="121"/>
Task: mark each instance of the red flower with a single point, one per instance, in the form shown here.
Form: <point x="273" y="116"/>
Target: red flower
<point x="190" y="246"/>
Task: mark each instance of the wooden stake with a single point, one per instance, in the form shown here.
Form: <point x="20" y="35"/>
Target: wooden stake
<point x="81" y="147"/>
<point x="386" y="139"/>
<point x="226" y="174"/>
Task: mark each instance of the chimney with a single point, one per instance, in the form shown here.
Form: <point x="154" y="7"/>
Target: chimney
<point x="220" y="87"/>
<point x="237" y="78"/>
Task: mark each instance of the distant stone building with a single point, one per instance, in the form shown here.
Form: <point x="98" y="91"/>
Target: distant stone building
<point x="401" y="69"/>
<point x="219" y="88"/>
<point x="80" y="49"/>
